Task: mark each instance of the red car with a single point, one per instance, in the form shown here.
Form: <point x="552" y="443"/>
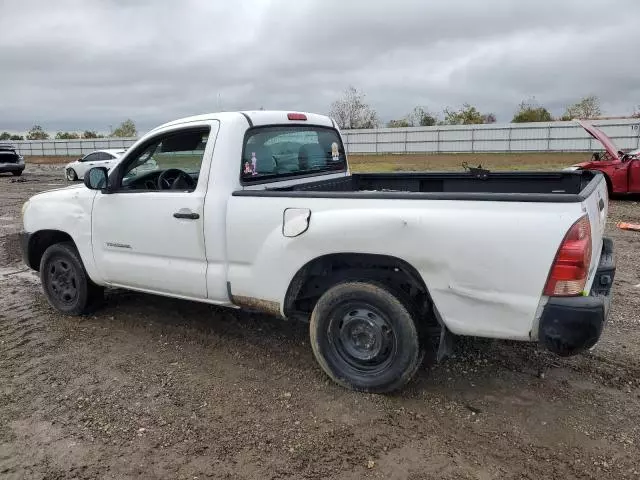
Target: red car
<point x="622" y="170"/>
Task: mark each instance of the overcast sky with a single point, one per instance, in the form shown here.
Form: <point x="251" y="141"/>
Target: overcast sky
<point x="74" y="65"/>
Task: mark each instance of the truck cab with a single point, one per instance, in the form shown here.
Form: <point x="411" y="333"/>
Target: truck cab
<point x="621" y="170"/>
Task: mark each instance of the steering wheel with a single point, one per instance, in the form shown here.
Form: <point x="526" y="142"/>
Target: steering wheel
<point x="174" y="179"/>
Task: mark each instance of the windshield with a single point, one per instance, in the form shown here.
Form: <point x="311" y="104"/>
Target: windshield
<point x="602" y="157"/>
<point x="286" y="151"/>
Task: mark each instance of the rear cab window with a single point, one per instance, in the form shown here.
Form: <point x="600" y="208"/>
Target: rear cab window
<point x="278" y="152"/>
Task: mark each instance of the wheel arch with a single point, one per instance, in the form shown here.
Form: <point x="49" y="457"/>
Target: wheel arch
<point x="71" y="168"/>
<point x="319" y="274"/>
<point x="41" y="240"/>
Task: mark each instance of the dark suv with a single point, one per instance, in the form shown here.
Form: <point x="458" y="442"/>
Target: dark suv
<point x="10" y="160"/>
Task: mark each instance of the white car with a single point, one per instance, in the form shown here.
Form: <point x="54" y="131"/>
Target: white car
<point x="259" y="210"/>
<point x="100" y="158"/>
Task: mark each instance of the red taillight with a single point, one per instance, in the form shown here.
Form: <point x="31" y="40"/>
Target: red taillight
<point x="296" y="116"/>
<point x="571" y="266"/>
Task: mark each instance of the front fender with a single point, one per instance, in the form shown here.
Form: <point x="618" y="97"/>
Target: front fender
<point x="67" y="210"/>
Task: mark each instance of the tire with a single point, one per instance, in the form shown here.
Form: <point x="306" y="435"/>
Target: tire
<point x="72" y="176"/>
<point x="17" y="174"/>
<point x="365" y="337"/>
<point x="65" y="281"/>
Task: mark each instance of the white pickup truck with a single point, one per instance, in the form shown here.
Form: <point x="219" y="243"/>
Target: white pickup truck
<point x="259" y="210"/>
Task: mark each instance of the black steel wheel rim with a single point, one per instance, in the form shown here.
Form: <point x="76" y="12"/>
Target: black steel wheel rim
<point x="363" y="337"/>
<point x="63" y="281"/>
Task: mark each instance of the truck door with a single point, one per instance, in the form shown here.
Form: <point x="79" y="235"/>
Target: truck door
<point x="147" y="231"/>
<point x="634" y="175"/>
<point x="619" y="175"/>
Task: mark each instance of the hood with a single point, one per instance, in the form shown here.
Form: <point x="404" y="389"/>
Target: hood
<point x="606" y="142"/>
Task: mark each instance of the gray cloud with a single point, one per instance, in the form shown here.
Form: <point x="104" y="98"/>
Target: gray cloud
<point x="75" y="65"/>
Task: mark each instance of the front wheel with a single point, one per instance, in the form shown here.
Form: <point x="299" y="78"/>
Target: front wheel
<point x="65" y="281"/>
<point x="17" y="173"/>
<point x="72" y="176"/>
<point x="365" y="338"/>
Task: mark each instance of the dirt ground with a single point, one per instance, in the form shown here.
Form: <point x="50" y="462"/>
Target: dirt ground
<point x="151" y="387"/>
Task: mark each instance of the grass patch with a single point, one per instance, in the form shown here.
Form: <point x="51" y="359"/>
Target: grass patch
<point x="454" y="161"/>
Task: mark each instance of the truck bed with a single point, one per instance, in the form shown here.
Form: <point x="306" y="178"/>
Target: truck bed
<point x="475" y="185"/>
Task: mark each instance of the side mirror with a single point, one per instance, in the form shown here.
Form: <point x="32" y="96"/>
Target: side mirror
<point x="96" y="178"/>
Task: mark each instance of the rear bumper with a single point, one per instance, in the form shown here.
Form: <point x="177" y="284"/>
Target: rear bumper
<point x="570" y="325"/>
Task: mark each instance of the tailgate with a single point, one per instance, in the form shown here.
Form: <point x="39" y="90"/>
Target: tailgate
<point x="596" y="206"/>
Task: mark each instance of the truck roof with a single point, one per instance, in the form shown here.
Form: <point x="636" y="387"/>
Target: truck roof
<point x="259" y="118"/>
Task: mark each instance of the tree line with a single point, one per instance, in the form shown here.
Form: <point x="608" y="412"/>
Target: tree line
<point x="351" y="111"/>
<point x="124" y="130"/>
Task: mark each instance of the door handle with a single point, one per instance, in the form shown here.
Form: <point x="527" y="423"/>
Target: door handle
<point x="187" y="215"/>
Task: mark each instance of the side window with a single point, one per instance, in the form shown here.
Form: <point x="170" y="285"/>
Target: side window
<point x="167" y="162"/>
<point x="92" y="157"/>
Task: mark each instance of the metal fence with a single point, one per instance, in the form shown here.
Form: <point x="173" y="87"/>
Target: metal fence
<point x="75" y="148"/>
<point x="522" y="137"/>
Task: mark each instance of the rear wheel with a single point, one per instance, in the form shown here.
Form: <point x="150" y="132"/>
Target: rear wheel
<point x="72" y="176"/>
<point x="365" y="338"/>
<point x="65" y="281"/>
<point x="17" y="173"/>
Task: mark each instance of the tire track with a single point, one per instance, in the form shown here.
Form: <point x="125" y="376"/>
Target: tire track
<point x="25" y="336"/>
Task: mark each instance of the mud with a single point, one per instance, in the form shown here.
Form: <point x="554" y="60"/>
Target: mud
<point x="150" y="387"/>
